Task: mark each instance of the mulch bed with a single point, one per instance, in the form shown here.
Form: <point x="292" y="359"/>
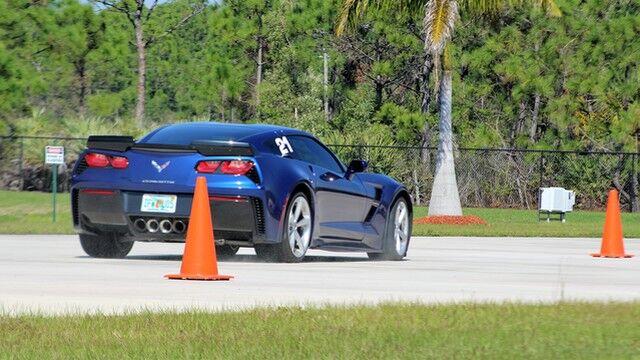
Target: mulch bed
<point x="450" y="220"/>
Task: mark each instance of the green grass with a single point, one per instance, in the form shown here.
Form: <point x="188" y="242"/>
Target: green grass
<point x="510" y="331"/>
<point x="510" y="222"/>
<point x="30" y="213"/>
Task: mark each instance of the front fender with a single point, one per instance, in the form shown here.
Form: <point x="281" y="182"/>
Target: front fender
<point x="390" y="190"/>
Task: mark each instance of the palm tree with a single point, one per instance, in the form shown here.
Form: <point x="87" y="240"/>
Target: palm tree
<point x="440" y="18"/>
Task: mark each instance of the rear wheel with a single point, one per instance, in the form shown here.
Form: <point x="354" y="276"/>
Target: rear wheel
<point x="398" y="233"/>
<point x="296" y="236"/>
<point x="226" y="251"/>
<point x="108" y="246"/>
<point x="267" y="252"/>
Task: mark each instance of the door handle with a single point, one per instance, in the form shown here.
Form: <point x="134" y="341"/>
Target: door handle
<point x="329" y="176"/>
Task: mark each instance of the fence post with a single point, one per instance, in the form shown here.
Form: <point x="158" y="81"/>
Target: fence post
<point x="541" y="169"/>
<point x="634" y="183"/>
<point x="20" y="165"/>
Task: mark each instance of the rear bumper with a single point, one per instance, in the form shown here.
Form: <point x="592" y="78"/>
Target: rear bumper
<point x="237" y="219"/>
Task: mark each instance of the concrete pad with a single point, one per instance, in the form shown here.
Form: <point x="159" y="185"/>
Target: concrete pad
<point x="51" y="274"/>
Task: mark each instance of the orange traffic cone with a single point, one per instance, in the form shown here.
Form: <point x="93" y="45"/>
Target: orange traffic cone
<point x="199" y="259"/>
<point x="612" y="242"/>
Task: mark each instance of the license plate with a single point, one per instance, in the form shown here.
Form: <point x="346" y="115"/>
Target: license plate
<point x="159" y="203"/>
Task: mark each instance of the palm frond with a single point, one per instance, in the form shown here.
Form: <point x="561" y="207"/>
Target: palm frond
<point x="486" y="7"/>
<point x="439" y="21"/>
<point x="492" y="7"/>
<point x="352" y="11"/>
<point x="550" y="7"/>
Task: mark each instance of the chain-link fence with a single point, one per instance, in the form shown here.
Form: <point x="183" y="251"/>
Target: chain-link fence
<point x="507" y="178"/>
<point x="22" y="162"/>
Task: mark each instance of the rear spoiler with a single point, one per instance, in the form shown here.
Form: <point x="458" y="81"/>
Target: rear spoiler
<point x="110" y="142"/>
<point x="204" y="147"/>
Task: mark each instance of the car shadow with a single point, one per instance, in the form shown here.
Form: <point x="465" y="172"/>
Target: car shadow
<point x="307" y="259"/>
<point x="245" y="258"/>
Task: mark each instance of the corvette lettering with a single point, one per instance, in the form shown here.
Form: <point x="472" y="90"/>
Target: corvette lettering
<point x="158" y="182"/>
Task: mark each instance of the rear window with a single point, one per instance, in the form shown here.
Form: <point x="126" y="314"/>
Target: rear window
<point x="185" y="134"/>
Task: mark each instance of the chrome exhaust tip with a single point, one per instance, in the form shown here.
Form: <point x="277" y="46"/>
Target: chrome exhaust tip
<point x="140" y="225"/>
<point x="153" y="226"/>
<point x="165" y="226"/>
<point x="179" y="226"/>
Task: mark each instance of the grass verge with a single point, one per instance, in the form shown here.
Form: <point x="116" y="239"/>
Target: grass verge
<point x="30" y="213"/>
<point x="512" y="222"/>
<point x="510" y="331"/>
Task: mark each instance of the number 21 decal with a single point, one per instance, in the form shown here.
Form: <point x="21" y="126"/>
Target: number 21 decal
<point x="284" y="146"/>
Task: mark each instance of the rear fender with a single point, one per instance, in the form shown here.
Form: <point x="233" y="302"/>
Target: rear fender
<point x="281" y="177"/>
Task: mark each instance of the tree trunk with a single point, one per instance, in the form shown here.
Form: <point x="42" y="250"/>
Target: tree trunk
<point x="379" y="89"/>
<point x="519" y="123"/>
<point x="416" y="187"/>
<point x="142" y="68"/>
<point x="425" y="135"/>
<point x="259" y="74"/>
<point x="445" y="199"/>
<point x="634" y="184"/>
<point x="534" y="118"/>
<point x="631" y="198"/>
<point x="82" y="75"/>
<point x="222" y="105"/>
<point x="325" y="82"/>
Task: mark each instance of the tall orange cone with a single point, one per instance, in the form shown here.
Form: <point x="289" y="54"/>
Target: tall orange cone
<point x="612" y="242"/>
<point x="199" y="259"/>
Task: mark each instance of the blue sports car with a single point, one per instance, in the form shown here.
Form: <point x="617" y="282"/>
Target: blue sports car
<point x="276" y="189"/>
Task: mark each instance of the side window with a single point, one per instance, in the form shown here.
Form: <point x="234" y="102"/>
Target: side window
<point x="280" y="146"/>
<point x="309" y="150"/>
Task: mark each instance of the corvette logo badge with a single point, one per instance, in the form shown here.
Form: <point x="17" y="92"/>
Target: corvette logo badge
<point x="160" y="167"/>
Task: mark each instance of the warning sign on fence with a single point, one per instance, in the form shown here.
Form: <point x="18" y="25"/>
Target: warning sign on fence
<point x="54" y="155"/>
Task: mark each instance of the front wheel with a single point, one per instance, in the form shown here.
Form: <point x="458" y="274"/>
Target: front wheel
<point x="296" y="236"/>
<point x="108" y="246"/>
<point x="398" y="233"/>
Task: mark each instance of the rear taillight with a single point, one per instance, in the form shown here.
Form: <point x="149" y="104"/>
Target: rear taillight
<point x="97" y="192"/>
<point x="229" y="167"/>
<point x="119" y="162"/>
<point x="208" y="166"/>
<point x="96" y="160"/>
<point x="236" y="167"/>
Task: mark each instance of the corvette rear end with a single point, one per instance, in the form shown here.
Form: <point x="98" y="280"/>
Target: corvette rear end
<point x="143" y="192"/>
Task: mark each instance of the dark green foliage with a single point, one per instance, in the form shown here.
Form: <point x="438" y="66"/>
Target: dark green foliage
<point x="523" y="80"/>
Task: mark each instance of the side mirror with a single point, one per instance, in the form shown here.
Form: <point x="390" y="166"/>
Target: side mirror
<point x="357" y="166"/>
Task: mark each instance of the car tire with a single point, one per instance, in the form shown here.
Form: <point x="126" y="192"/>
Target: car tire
<point x="267" y="252"/>
<point x="226" y="251"/>
<point x="296" y="234"/>
<point x="108" y="246"/>
<point x="395" y="242"/>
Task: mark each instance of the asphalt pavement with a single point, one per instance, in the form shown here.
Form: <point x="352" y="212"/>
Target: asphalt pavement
<point x="51" y="274"/>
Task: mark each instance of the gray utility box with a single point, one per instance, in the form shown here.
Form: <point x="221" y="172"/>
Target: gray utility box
<point x="555" y="200"/>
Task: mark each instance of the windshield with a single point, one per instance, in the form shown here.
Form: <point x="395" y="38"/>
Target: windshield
<point x="185" y="134"/>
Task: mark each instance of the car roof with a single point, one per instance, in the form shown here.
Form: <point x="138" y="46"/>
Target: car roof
<point x="184" y="133"/>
